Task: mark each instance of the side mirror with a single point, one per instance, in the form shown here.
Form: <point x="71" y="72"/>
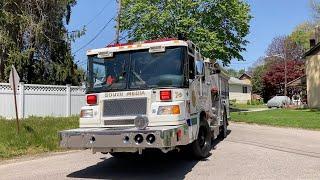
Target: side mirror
<point x="84" y="85"/>
<point x="216" y="69"/>
<point x="199" y="67"/>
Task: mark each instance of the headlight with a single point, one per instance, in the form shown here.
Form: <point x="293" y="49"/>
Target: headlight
<point x="166" y="110"/>
<point x="86" y="113"/>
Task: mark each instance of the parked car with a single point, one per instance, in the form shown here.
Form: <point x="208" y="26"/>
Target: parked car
<point x="279" y="101"/>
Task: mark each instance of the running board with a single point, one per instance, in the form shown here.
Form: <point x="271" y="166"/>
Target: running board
<point x="215" y="131"/>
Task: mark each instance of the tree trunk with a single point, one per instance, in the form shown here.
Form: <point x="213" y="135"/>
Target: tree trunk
<point x="30" y="74"/>
<point x="30" y="69"/>
<point x="1" y="69"/>
<point x="2" y="64"/>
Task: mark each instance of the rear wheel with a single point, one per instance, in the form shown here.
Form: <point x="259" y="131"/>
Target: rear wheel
<point x="202" y="145"/>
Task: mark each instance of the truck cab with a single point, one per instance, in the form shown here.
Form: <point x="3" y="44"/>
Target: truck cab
<point x="154" y="94"/>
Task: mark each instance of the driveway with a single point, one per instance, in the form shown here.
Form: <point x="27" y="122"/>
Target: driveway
<point x="249" y="152"/>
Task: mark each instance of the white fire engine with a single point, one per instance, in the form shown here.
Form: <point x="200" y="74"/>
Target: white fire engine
<point x="159" y="94"/>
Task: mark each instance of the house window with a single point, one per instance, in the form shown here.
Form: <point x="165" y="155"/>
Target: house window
<point x="245" y="89"/>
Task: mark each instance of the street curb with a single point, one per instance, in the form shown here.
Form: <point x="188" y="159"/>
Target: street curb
<point x="279" y="127"/>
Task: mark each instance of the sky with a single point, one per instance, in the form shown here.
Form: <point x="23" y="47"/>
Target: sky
<point x="271" y="18"/>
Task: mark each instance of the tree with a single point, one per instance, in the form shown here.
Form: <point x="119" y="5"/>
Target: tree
<point x="273" y="78"/>
<point x="35" y="40"/>
<point x="235" y="73"/>
<point x="257" y="81"/>
<point x="269" y="72"/>
<point x="218" y="27"/>
<point x="302" y="34"/>
<point x="241" y="71"/>
<point x="232" y="72"/>
<point x="285" y="47"/>
<point x="315" y="5"/>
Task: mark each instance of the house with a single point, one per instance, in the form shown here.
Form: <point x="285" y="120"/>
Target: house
<point x="312" y="58"/>
<point x="298" y="88"/>
<point x="246" y="77"/>
<point x="239" y="90"/>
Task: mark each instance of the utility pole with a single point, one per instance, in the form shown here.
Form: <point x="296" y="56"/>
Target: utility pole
<point x="285" y="76"/>
<point x="118" y="23"/>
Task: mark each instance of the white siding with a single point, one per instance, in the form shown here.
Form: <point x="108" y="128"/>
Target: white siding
<point x="236" y="92"/>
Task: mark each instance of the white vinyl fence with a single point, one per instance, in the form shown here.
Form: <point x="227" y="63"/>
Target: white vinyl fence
<point x="41" y="100"/>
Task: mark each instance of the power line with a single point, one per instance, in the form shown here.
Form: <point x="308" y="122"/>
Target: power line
<point x="114" y="41"/>
<point x="94" y="38"/>
<point x="99" y="13"/>
<point x="95" y="17"/>
<point x="84" y="61"/>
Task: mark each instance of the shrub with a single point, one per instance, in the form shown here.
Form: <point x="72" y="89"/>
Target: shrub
<point x="233" y="101"/>
<point x="256" y="102"/>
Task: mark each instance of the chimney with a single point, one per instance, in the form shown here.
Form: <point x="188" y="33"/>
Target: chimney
<point x="312" y="43"/>
<point x="315" y="38"/>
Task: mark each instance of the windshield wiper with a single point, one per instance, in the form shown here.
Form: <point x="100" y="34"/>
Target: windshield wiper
<point x="140" y="79"/>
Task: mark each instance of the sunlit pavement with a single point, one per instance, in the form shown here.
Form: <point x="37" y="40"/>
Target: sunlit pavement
<point x="249" y="152"/>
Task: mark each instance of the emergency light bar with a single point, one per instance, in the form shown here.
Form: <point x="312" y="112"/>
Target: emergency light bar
<point x="157" y="49"/>
<point x="141" y="42"/>
<point x="105" y="54"/>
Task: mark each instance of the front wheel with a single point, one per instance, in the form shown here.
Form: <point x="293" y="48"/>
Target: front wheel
<point x="224" y="129"/>
<point x="202" y="145"/>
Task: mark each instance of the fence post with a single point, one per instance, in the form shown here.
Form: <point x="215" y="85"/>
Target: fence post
<point x="21" y="97"/>
<point x="68" y="100"/>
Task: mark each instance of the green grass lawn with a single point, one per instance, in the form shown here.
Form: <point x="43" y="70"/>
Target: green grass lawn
<point x="37" y="135"/>
<point x="306" y="119"/>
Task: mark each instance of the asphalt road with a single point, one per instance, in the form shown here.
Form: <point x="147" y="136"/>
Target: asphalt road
<point x="249" y="152"/>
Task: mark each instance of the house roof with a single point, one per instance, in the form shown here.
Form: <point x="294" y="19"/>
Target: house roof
<point x="245" y="74"/>
<point x="234" y="80"/>
<point x="312" y="50"/>
<point x="299" y="82"/>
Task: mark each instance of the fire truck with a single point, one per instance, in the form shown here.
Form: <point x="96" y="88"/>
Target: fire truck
<point x="159" y="94"/>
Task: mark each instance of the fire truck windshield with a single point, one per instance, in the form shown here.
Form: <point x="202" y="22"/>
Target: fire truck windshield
<point x="136" y="70"/>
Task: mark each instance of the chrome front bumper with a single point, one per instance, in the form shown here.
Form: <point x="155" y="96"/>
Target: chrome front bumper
<point x="108" y="140"/>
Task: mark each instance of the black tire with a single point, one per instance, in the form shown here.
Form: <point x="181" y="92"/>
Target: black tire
<point x="201" y="147"/>
<point x="224" y="128"/>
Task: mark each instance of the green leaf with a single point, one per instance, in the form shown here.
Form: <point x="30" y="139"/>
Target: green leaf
<point x="219" y="27"/>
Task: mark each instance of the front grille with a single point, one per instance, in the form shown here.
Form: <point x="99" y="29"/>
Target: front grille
<point x="119" y="122"/>
<point x="125" y="107"/>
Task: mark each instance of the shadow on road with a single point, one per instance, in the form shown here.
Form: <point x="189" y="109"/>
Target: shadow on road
<point x="151" y="165"/>
<point x="157" y="167"/>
